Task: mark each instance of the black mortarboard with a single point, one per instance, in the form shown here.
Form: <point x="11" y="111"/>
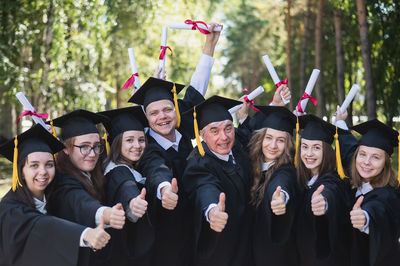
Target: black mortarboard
<point x="376" y="134"/>
<point x="155" y="89"/>
<point x="124" y="119"/>
<point x="35" y="139"/>
<point x="315" y="128"/>
<point x="277" y="117"/>
<point x="78" y="122"/>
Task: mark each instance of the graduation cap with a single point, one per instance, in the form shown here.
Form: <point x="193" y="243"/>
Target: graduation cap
<point x="378" y="135"/>
<point x="315" y="128"/>
<point x="214" y="109"/>
<point x="124" y="119"/>
<point x="78" y="122"/>
<point x="35" y="139"/>
<point x="155" y="89"/>
<point x="277" y="117"/>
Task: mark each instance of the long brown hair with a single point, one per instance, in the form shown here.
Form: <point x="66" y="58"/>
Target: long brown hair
<point x="64" y="165"/>
<point x="328" y="164"/>
<point x="384" y="178"/>
<point x="256" y="155"/>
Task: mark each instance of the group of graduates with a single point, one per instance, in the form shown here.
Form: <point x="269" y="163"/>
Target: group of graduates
<point x="265" y="193"/>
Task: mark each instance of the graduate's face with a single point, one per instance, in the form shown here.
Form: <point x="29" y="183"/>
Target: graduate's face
<point x="38" y="172"/>
<point x="219" y="136"/>
<point x="85" y="163"/>
<point x="311" y="153"/>
<point x="274" y="144"/>
<point x="133" y="145"/>
<point x="370" y="162"/>
<point x="162" y="118"/>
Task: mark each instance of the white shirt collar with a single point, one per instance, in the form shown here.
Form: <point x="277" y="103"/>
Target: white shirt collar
<point x="364" y="189"/>
<point x="138" y="177"/>
<point x="224" y="157"/>
<point x="312" y="181"/>
<point x="40" y="205"/>
<point x="267" y="165"/>
<point x="165" y="143"/>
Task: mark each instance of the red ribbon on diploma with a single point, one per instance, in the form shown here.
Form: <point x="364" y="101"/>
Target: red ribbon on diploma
<point x="163" y="50"/>
<point x="277" y="85"/>
<point x="194" y="23"/>
<point x="305" y="96"/>
<point x="250" y="101"/>
<point x="130" y="81"/>
<point x="24" y="113"/>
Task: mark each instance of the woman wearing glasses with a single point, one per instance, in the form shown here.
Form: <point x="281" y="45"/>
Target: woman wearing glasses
<point x="132" y="245"/>
<point x="79" y="192"/>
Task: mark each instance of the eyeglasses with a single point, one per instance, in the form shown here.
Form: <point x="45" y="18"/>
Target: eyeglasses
<point x="86" y="149"/>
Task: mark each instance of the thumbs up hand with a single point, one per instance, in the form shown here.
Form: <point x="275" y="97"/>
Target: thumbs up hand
<point x="217" y="215"/>
<point x="138" y="205"/>
<point x="115" y="216"/>
<point x="97" y="237"/>
<point x="357" y="215"/>
<point x="169" y="196"/>
<point x="278" y="205"/>
<point x="318" y="203"/>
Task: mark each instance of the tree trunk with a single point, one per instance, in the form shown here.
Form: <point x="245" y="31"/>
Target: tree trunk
<point x="339" y="55"/>
<point x="366" y="58"/>
<point x="288" y="50"/>
<point x="303" y="51"/>
<point x="318" y="59"/>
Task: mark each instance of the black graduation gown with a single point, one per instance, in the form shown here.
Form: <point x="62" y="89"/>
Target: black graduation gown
<point x="173" y="229"/>
<point x="348" y="145"/>
<point x="273" y="236"/>
<point x="28" y="237"/>
<point x="204" y="179"/>
<point x="71" y="201"/>
<point x="381" y="246"/>
<point x="325" y="240"/>
<point x="132" y="244"/>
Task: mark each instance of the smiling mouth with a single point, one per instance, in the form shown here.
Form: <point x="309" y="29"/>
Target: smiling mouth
<point x="42" y="181"/>
<point x="310" y="161"/>
<point x="164" y="123"/>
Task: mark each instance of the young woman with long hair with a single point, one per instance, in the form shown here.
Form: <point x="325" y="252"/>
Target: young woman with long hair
<point x="275" y="190"/>
<point x="322" y="231"/>
<point x="30" y="236"/>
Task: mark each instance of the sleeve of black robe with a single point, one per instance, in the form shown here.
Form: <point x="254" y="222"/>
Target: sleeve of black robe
<point x="383" y="207"/>
<point x="348" y="145"/>
<point x="70" y="200"/>
<point x="192" y="97"/>
<point x="31" y="238"/>
<point x="281" y="225"/>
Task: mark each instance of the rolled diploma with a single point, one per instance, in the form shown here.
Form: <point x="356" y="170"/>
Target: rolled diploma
<point x="350" y="96"/>
<point x="273" y="74"/>
<point x="132" y="61"/>
<point x="309" y="89"/>
<point x="28" y="106"/>
<point x="184" y="26"/>
<point x="251" y="96"/>
<point x="164" y="34"/>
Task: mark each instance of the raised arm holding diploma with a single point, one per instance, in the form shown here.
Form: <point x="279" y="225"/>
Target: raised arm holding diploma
<point x="350" y="96"/>
<point x="274" y="76"/>
<point x="301" y="106"/>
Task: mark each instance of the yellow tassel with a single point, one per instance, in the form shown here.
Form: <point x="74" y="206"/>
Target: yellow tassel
<point x="15" y="179"/>
<point x="296" y="159"/>
<point x="398" y="159"/>
<point x="178" y="115"/>
<point x="105" y="137"/>
<point x="54" y="134"/>
<point x="338" y="158"/>
<point x="196" y="133"/>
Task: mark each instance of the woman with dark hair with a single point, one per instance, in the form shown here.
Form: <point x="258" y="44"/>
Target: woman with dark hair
<point x="322" y="231"/>
<point x="132" y="244"/>
<point x="79" y="192"/>
<point x="28" y="235"/>
<point x="376" y="211"/>
<point x="275" y="191"/>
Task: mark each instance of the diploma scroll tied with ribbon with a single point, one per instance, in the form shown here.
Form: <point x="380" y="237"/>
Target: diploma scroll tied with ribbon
<point x="29" y="110"/>
<point x="250" y="99"/>
<point x="275" y="77"/>
<point x="301" y="106"/>
<point x="193" y="25"/>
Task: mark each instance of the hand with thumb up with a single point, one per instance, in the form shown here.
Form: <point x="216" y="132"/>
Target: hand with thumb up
<point x="318" y="203"/>
<point x="138" y="205"/>
<point x="357" y="215"/>
<point x="169" y="196"/>
<point x="115" y="216"/>
<point x="278" y="205"/>
<point x="217" y="215"/>
<point x="97" y="237"/>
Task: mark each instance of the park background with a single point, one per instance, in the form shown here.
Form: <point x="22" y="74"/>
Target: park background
<point x="70" y="54"/>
